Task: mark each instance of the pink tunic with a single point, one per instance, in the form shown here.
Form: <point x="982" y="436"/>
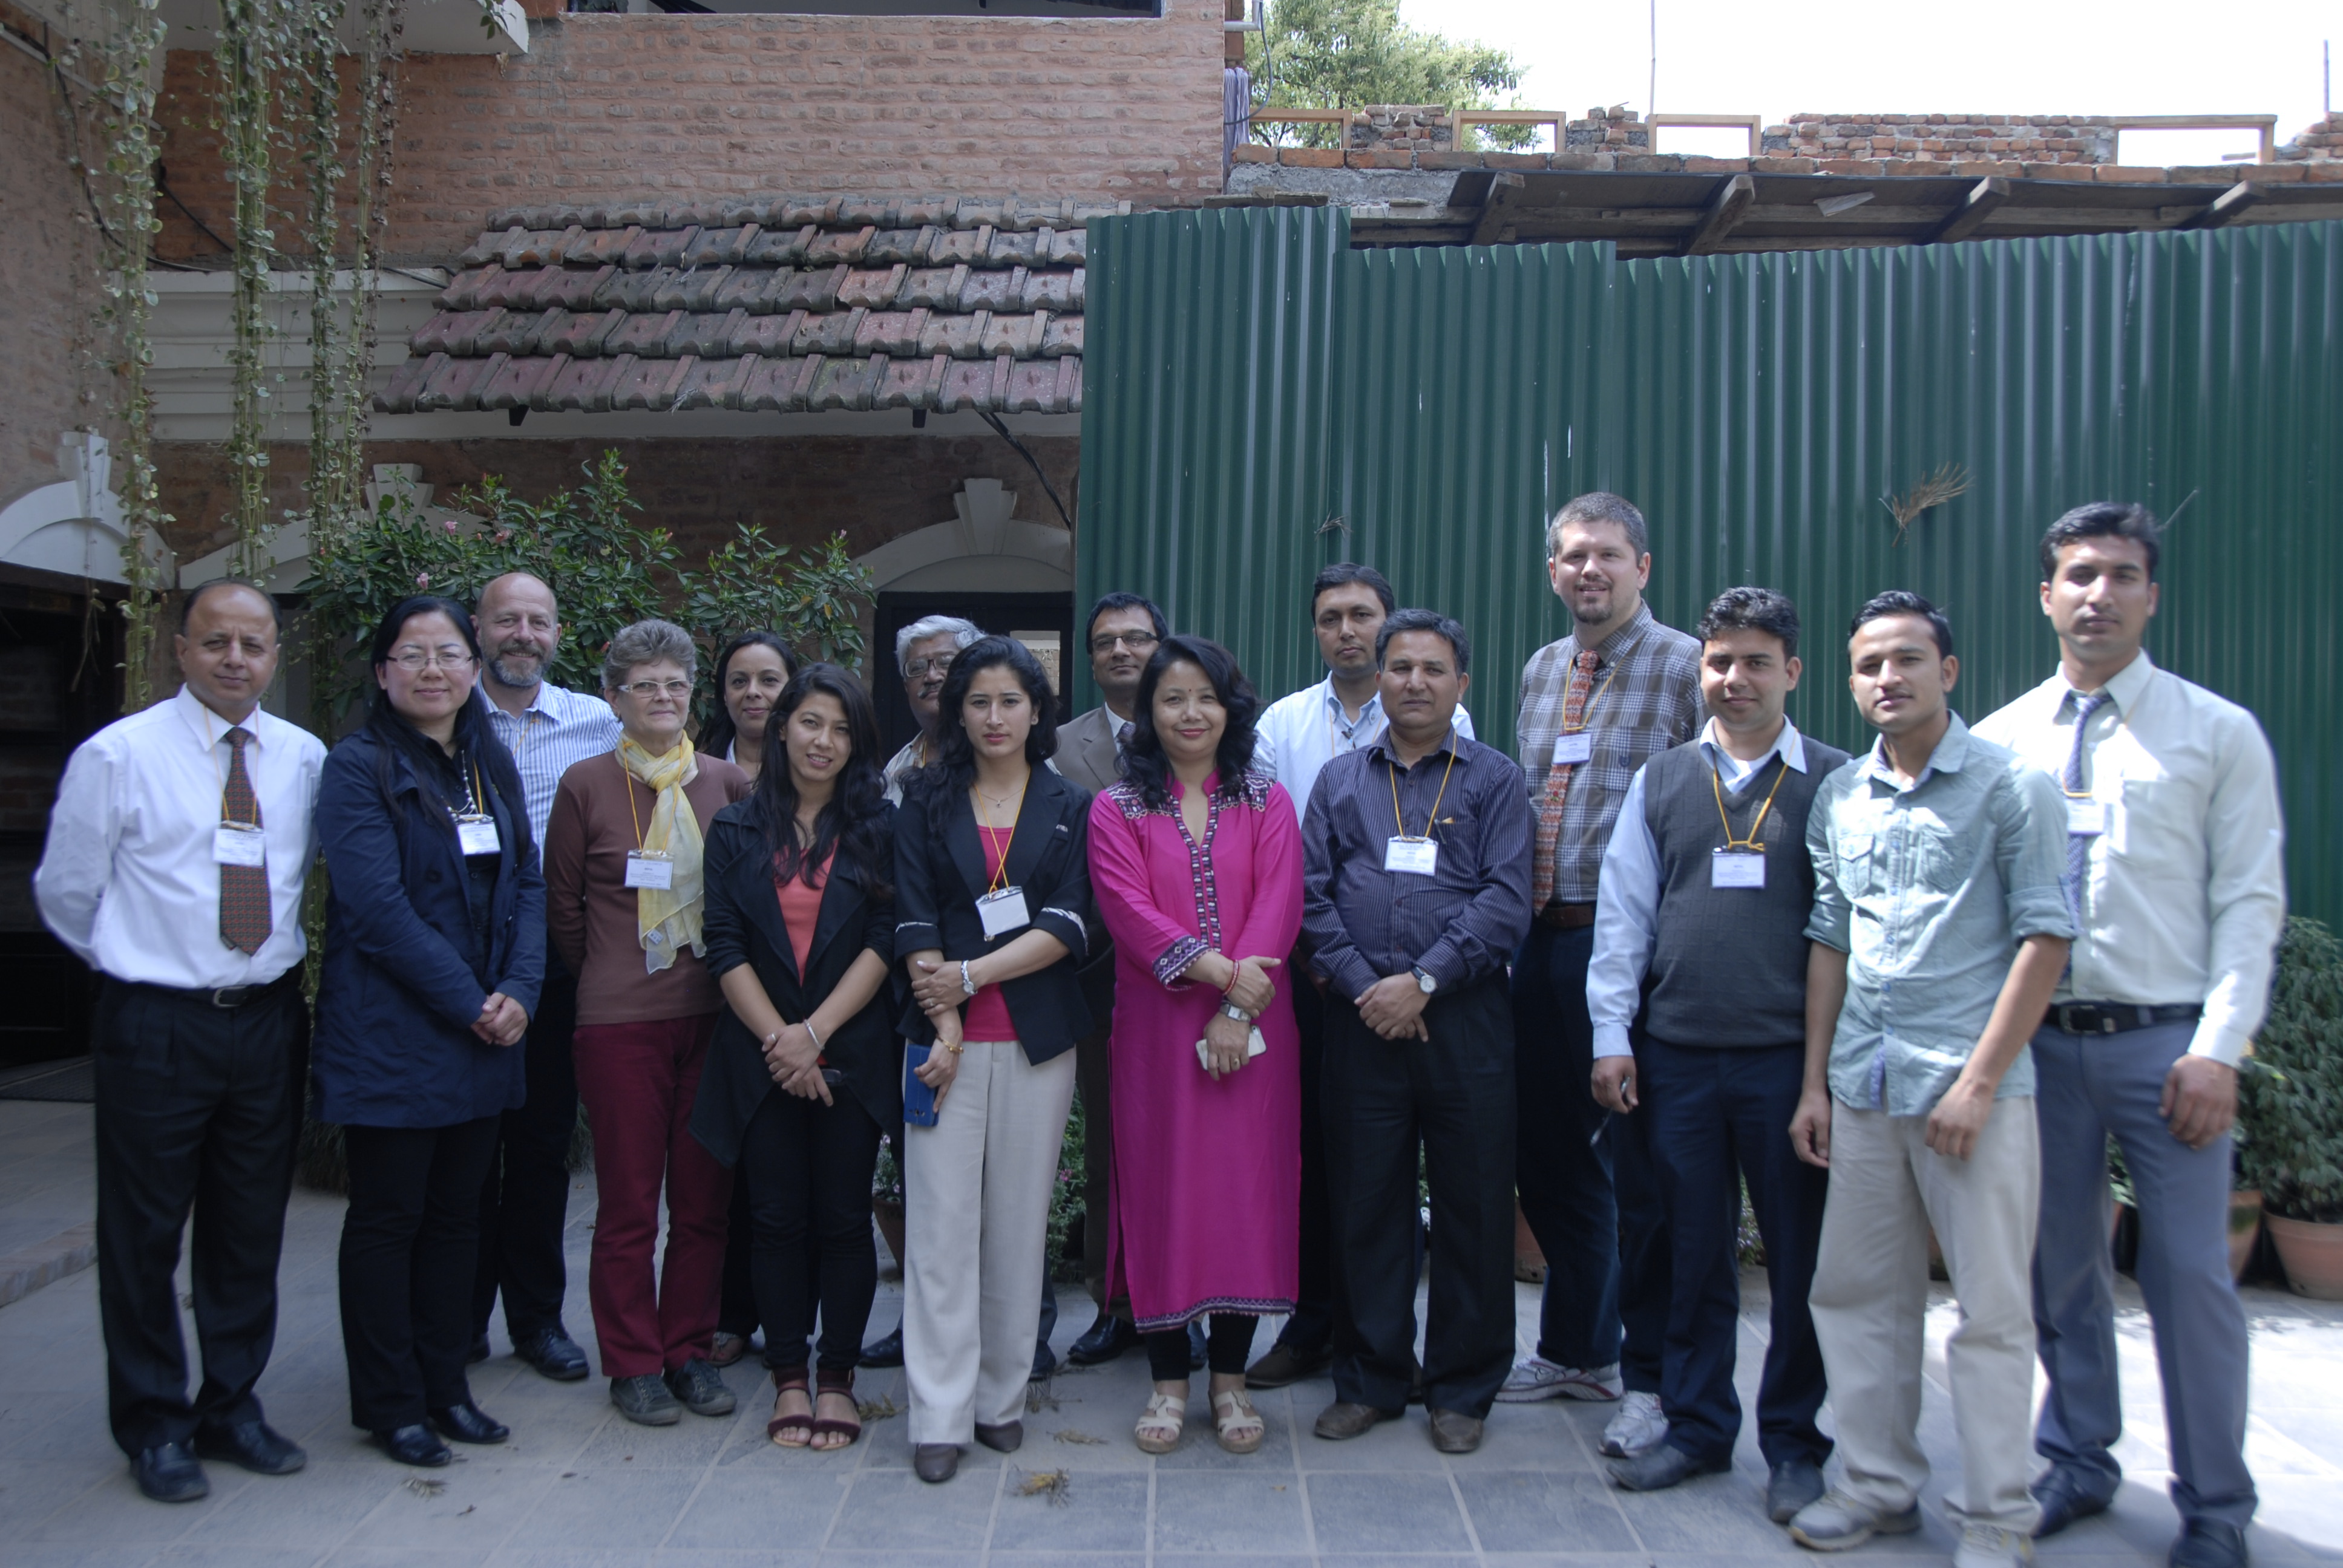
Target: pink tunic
<point x="1205" y="1207"/>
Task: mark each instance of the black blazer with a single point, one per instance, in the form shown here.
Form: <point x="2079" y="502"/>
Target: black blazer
<point x="744" y="926"/>
<point x="938" y="879"/>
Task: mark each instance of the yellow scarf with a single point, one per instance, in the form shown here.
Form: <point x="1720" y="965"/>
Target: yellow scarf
<point x="668" y="920"/>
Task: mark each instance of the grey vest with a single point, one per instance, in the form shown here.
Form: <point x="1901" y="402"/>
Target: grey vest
<point x="1729" y="964"/>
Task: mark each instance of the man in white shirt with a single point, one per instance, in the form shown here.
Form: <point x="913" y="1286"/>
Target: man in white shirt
<point x="924" y="652"/>
<point x="2176" y="881"/>
<point x="525" y="1206"/>
<point x="177" y="854"/>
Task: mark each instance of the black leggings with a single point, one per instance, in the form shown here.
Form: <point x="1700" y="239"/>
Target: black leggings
<point x="807" y="1167"/>
<point x="1226" y="1346"/>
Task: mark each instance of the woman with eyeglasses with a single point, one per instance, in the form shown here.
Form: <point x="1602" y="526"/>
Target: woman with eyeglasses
<point x="992" y="901"/>
<point x="625" y="904"/>
<point x="433" y="957"/>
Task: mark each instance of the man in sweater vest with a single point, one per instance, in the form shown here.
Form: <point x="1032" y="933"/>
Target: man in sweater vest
<point x="1700" y="925"/>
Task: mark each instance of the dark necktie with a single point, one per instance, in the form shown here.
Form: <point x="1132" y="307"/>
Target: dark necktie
<point x="244" y="915"/>
<point x="2079" y="845"/>
<point x="1122" y="736"/>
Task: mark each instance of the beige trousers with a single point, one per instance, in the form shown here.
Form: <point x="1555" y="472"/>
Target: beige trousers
<point x="1870" y="1304"/>
<point x="975" y="1218"/>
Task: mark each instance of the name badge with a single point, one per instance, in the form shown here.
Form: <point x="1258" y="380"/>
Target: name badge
<point x="477" y="835"/>
<point x="649" y="869"/>
<point x="1416" y="857"/>
<point x="1002" y="912"/>
<point x="1574" y="746"/>
<point x="1736" y="869"/>
<point x="239" y="844"/>
<point x="2087" y="818"/>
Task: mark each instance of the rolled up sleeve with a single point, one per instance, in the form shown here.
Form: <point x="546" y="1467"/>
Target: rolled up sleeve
<point x="2030" y="841"/>
<point x="1832" y="920"/>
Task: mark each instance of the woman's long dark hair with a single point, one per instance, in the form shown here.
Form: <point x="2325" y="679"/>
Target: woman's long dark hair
<point x="717" y="739"/>
<point x="394" y="734"/>
<point x="849" y="824"/>
<point x="944" y="781"/>
<point x="1144" y="762"/>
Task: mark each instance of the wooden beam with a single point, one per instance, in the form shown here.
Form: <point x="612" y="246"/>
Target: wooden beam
<point x="1492" y="220"/>
<point x="1726" y="208"/>
<point x="1983" y="199"/>
<point x="2227" y="206"/>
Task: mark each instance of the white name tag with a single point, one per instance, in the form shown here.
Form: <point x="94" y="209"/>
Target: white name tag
<point x="1574" y="746"/>
<point x="1416" y="857"/>
<point x="2087" y="818"/>
<point x="234" y="844"/>
<point x="649" y="869"/>
<point x="477" y="835"/>
<point x="1736" y="869"/>
<point x="1002" y="912"/>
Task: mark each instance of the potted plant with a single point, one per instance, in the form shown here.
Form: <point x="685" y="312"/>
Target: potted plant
<point x="2291" y="1108"/>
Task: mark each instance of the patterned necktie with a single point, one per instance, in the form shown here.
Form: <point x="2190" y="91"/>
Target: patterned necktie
<point x="2079" y="845"/>
<point x="1122" y="736"/>
<point x="1557" y="779"/>
<point x="244" y="915"/>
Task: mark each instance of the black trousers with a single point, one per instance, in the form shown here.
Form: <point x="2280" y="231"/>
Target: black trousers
<point x="1718" y="1116"/>
<point x="1313" y="1323"/>
<point x="1226" y="1343"/>
<point x="1452" y="1097"/>
<point x="1587" y="1183"/>
<point x="808" y="1170"/>
<point x="525" y="1198"/>
<point x="198" y="1108"/>
<point x="410" y="1242"/>
<point x="736" y="1311"/>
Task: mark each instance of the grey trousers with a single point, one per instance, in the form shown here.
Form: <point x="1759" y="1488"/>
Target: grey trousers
<point x="2086" y="1087"/>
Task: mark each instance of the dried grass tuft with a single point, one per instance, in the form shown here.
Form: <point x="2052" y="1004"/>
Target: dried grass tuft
<point x="1947" y="482"/>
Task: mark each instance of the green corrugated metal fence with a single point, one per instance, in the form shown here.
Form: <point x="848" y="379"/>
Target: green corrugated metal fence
<point x="1249" y="379"/>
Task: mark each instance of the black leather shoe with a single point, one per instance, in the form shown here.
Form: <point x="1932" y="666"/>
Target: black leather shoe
<point x="168" y="1473"/>
<point x="479" y="1350"/>
<point x="553" y="1354"/>
<point x="1006" y="1438"/>
<point x="1661" y="1466"/>
<point x="888" y="1352"/>
<point x="467" y="1423"/>
<point x="935" y="1461"/>
<point x="2064" y="1498"/>
<point x="415" y="1445"/>
<point x="1790" y="1486"/>
<point x="1103" y="1341"/>
<point x="2209" y="1544"/>
<point x="253" y="1445"/>
<point x="1285" y="1364"/>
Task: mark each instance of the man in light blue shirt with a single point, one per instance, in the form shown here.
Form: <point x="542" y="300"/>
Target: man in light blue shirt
<point x="1939" y="931"/>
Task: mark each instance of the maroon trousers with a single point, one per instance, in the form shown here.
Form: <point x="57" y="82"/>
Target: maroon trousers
<point x="638" y="1082"/>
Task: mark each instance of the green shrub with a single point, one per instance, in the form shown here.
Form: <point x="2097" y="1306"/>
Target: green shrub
<point x="2290" y="1110"/>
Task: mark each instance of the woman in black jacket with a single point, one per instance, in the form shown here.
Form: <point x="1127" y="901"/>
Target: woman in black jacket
<point x="993" y="905"/>
<point x="800" y="932"/>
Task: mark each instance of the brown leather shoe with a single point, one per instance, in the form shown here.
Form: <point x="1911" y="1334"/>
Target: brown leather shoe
<point x="1284" y="1364"/>
<point x="1453" y="1432"/>
<point x="1006" y="1438"/>
<point x="1341" y="1421"/>
<point x="934" y="1462"/>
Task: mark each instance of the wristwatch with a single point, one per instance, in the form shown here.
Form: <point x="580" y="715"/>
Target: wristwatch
<point x="967" y="984"/>
<point x="1235" y="1013"/>
<point x="1424" y="981"/>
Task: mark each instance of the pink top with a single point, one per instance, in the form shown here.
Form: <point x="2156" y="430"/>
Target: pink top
<point x="801" y="899"/>
<point x="988" y="1014"/>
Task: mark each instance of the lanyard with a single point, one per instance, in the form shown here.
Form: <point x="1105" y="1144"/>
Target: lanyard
<point x="478" y="797"/>
<point x="1751" y="842"/>
<point x="999" y="878"/>
<point x="1431" y="821"/>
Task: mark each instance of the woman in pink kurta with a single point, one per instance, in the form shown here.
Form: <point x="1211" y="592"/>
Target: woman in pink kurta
<point x="1196" y="865"/>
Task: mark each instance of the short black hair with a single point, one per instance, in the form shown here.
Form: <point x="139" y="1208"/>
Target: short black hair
<point x="1118" y="599"/>
<point x="1753" y="610"/>
<point x="1343" y="572"/>
<point x="1429" y="621"/>
<point x="195" y="593"/>
<point x="1904" y="601"/>
<point x="2103" y="519"/>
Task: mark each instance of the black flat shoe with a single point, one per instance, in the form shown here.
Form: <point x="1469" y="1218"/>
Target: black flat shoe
<point x="1103" y="1341"/>
<point x="1790" y="1486"/>
<point x="553" y="1354"/>
<point x="415" y="1445"/>
<point x="886" y="1353"/>
<point x="935" y="1461"/>
<point x="2064" y="1499"/>
<point x="2209" y="1544"/>
<point x="253" y="1445"/>
<point x="466" y="1422"/>
<point x="1661" y="1466"/>
<point x="168" y="1473"/>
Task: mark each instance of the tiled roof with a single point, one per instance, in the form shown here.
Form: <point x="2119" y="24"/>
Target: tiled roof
<point x="787" y="303"/>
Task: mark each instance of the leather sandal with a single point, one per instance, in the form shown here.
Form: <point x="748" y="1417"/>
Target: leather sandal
<point x="1237" y="1423"/>
<point x="782" y="1383"/>
<point x="1160" y="1424"/>
<point x="835" y="1383"/>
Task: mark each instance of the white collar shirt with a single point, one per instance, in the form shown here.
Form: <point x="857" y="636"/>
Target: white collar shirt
<point x="2183" y="897"/>
<point x="1304" y="730"/>
<point x="559" y="729"/>
<point x="127" y="879"/>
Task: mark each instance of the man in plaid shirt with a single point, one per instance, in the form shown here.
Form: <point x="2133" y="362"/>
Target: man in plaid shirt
<point x="1596" y="706"/>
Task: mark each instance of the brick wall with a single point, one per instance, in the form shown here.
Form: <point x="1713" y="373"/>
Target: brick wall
<point x="1400" y="128"/>
<point x="49" y="268"/>
<point x="2322" y="143"/>
<point x="1946" y="139"/>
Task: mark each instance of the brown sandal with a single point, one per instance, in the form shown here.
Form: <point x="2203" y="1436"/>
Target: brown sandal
<point x="841" y="1382"/>
<point x="782" y="1383"/>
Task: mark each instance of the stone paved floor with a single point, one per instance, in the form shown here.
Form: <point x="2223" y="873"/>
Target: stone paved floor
<point x="579" y="1488"/>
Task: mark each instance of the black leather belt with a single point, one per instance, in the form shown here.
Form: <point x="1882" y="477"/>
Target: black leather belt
<point x="227" y="995"/>
<point x="2114" y="1017"/>
<point x="1566" y="916"/>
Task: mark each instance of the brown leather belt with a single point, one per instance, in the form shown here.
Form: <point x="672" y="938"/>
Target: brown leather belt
<point x="1566" y="916"/>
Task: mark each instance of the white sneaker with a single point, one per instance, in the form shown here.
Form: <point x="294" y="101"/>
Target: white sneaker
<point x="1639" y="1424"/>
<point x="1990" y="1546"/>
<point x="1534" y="1378"/>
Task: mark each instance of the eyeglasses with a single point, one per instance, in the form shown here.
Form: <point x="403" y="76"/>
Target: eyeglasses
<point x="1137" y="641"/>
<point x="919" y="669"/>
<point x="412" y="659"/>
<point x="644" y="690"/>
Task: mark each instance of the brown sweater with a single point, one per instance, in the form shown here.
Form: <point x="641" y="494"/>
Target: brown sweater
<point x="589" y="910"/>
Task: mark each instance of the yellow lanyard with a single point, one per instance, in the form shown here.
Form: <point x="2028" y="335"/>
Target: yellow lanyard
<point x="1434" y="818"/>
<point x="1751" y="842"/>
<point x="631" y="815"/>
<point x="999" y="878"/>
<point x="1587" y="714"/>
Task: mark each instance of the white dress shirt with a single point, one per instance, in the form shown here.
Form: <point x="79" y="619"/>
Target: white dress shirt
<point x="1627" y="894"/>
<point x="127" y="879"/>
<point x="559" y="729"/>
<point x="2184" y="898"/>
<point x="1304" y="730"/>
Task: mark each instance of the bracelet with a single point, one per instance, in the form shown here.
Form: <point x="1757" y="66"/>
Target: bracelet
<point x="967" y="985"/>
<point x="955" y="1049"/>
<point x="817" y="1039"/>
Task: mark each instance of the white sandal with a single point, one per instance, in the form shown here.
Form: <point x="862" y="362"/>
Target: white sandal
<point x="1240" y="1425"/>
<point x="1159" y="1427"/>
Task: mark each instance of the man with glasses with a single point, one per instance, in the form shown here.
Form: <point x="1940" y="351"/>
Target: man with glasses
<point x="525" y="1206"/>
<point x="924" y="652"/>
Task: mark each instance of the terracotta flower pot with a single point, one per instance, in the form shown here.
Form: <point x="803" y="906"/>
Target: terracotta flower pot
<point x="2313" y="1256"/>
<point x="2245" y="1226"/>
<point x="889" y="1215"/>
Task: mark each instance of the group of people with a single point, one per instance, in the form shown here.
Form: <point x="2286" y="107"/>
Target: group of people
<point x="1280" y="950"/>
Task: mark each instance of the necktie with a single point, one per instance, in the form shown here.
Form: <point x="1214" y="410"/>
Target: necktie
<point x="244" y="914"/>
<point x="2079" y="845"/>
<point x="1557" y="779"/>
<point x="1122" y="736"/>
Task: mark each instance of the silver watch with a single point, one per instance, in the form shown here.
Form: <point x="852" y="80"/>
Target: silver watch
<point x="1232" y="1011"/>
<point x="1424" y="981"/>
<point x="967" y="985"/>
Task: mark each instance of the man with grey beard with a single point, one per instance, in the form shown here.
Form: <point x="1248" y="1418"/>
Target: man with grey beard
<point x="526" y="1202"/>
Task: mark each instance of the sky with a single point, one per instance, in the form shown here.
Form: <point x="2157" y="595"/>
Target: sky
<point x="2144" y="57"/>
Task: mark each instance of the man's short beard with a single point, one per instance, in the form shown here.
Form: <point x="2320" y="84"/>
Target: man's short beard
<point x="504" y="677"/>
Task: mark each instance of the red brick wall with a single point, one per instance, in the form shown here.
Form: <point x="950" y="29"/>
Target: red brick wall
<point x="48" y="274"/>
